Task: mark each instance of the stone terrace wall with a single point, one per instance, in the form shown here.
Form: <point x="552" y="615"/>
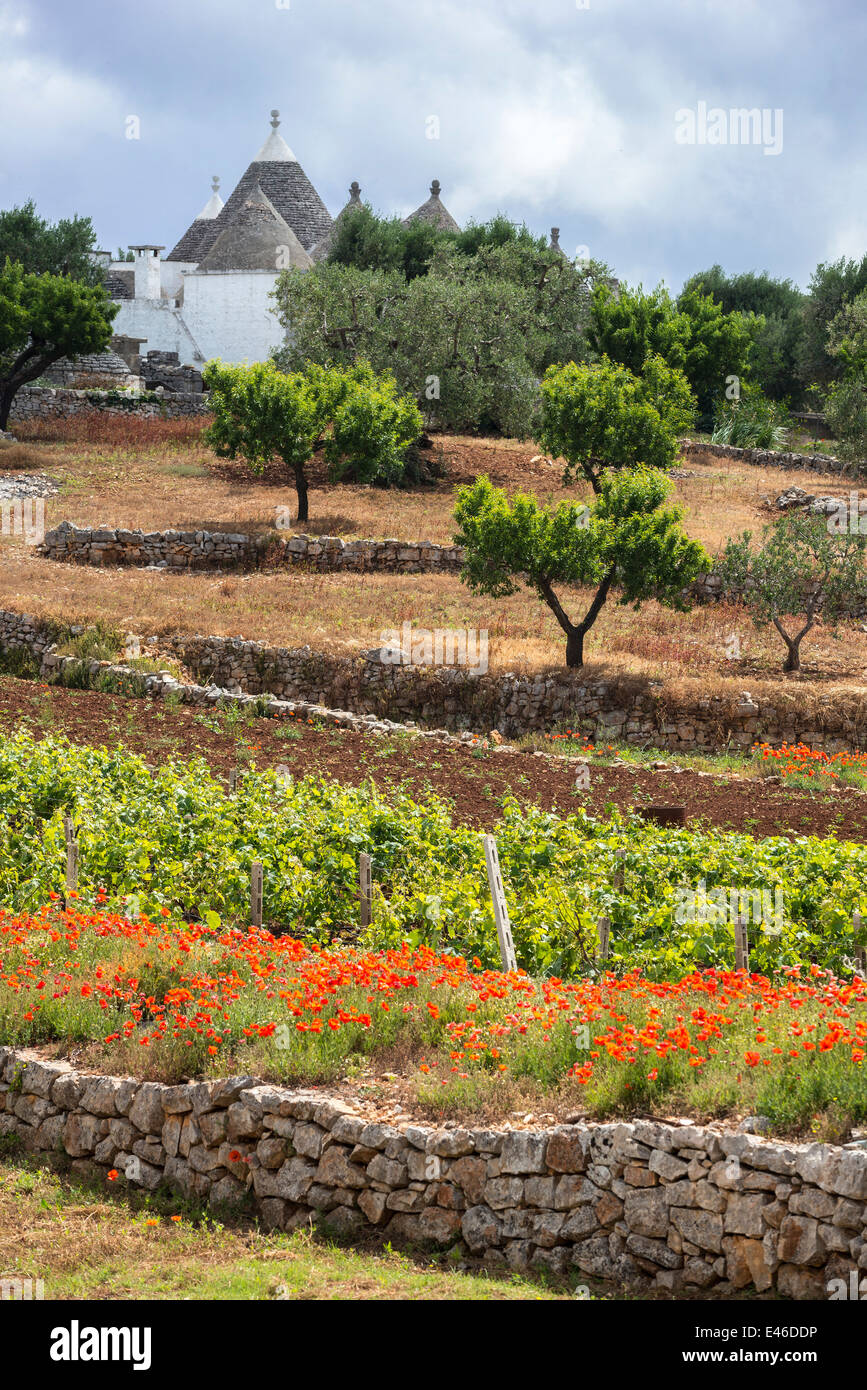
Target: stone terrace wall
<point x="181" y="551"/>
<point x="454" y="698"/>
<point x="47" y="403"/>
<point x="763" y="458"/>
<point x="362" y="690"/>
<point x="209" y="550"/>
<point x="644" y="1204"/>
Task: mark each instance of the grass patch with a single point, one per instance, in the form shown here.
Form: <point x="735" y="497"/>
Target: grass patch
<point x="20" y="662"/>
<point x="86" y="1243"/>
<point x="99" y="641"/>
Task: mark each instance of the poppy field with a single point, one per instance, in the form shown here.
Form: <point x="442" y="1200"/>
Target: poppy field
<point x="169" y="999"/>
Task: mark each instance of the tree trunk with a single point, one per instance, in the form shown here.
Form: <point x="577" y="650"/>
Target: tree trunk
<point x="575" y="647"/>
<point x="6" y="399"/>
<point x="793" y="644"/>
<point x="793" y="656"/>
<point x="301" y="489"/>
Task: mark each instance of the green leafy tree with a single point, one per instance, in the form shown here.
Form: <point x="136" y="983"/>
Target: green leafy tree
<point x="498" y="231"/>
<point x="43" y="248"/>
<point x="807" y="567"/>
<point x="470" y="339"/>
<point x="832" y="286"/>
<point x="628" y="326"/>
<point x="604" y="417"/>
<point x="694" y="336"/>
<point x="846" y="401"/>
<point x="44" y="318"/>
<point x="356" y="418"/>
<point x="718" y="346"/>
<point x="775" y="312"/>
<point x="336" y="315"/>
<point x="627" y="539"/>
<point x="367" y="242"/>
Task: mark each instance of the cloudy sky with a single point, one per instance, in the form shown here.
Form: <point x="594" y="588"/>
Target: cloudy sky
<point x="558" y="112"/>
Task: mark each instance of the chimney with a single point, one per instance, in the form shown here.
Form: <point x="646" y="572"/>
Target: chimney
<point x="147" y="271"/>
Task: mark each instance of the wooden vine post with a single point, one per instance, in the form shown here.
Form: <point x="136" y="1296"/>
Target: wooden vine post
<point x="620" y="871"/>
<point x="603" y="931"/>
<point x="365" y="889"/>
<point x="742" y="943"/>
<point x="501" y="911"/>
<point x="256" y="894"/>
<point x="860" y="951"/>
<point x="71" y="855"/>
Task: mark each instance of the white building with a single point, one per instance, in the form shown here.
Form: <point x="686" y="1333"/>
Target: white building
<point x="210" y="297"/>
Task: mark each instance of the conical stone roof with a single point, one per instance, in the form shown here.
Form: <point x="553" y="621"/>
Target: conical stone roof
<point x="258" y="238"/>
<point x="189" y="248"/>
<point x="276" y="171"/>
<point x="434" y="211"/>
<point x="323" y="247"/>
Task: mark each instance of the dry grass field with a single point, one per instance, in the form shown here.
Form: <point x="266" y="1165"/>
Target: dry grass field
<point x="155" y="475"/>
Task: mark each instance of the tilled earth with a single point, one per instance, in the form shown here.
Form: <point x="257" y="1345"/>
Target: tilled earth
<point x="473" y="779"/>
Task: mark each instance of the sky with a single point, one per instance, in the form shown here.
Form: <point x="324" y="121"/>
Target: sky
<point x="611" y="119"/>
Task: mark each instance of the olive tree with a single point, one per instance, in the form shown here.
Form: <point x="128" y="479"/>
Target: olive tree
<point x="806" y="568"/>
<point x="43" y="318"/>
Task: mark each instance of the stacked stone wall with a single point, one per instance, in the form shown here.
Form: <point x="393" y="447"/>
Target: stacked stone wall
<point x="673" y="1206"/>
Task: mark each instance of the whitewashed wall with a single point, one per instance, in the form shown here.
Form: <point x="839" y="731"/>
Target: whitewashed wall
<point x="161" y="324"/>
<point x="172" y="276"/>
<point x="229" y="313"/>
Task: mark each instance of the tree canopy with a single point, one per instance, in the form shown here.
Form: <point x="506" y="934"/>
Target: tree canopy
<point x="693" y="335"/>
<point x="358" y="420"/>
<point x="603" y="416"/>
<point x="43" y="248"/>
<point x="43" y="318"/>
<point x="469" y="339"/>
<point x="627" y="538"/>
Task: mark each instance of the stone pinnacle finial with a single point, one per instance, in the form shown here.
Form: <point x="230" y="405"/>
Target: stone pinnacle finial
<point x="215" y="183"/>
<point x="275" y="119"/>
<point x="355" y="190"/>
<point x="555" y="236"/>
<point x="435" y="188"/>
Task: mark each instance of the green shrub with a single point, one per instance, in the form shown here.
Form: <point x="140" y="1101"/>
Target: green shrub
<point x="752" y="422"/>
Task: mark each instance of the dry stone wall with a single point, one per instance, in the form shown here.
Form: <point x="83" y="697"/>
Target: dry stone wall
<point x="455" y="699"/>
<point x="209" y="550"/>
<point x="365" y="693"/>
<point x="49" y="403"/>
<point x="643" y="1204"/>
<point x="186" y="551"/>
<point x="762" y="458"/>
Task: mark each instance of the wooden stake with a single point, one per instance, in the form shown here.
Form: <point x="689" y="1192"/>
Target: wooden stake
<point x="365" y="889"/>
<point x="620" y="871"/>
<point x="742" y="944"/>
<point x="603" y="930"/>
<point x="501" y="911"/>
<point x="256" y="893"/>
<point x="71" y="855"/>
<point x="233" y="780"/>
<point x="860" y="951"/>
